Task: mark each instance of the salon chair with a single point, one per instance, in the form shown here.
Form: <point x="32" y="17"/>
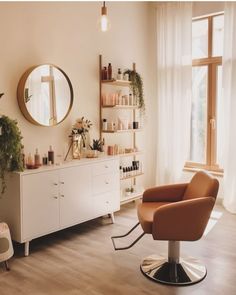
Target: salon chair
<point x="177" y="212"/>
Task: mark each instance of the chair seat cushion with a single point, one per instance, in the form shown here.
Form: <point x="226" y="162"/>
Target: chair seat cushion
<point x="146" y="212"/>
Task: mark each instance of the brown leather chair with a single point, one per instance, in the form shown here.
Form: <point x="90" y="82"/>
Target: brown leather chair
<point x="178" y="212"/>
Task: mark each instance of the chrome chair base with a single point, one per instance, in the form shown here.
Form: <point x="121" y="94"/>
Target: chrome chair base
<point x="187" y="272"/>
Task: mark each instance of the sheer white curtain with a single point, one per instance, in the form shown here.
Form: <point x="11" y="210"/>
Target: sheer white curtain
<point x="174" y="71"/>
<point x="228" y="123"/>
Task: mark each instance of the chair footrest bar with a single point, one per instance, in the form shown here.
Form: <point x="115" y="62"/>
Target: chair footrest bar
<point x="125" y="235"/>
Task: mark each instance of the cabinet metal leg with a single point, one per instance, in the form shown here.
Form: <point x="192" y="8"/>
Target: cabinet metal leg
<point x="27" y="248"/>
<point x="6" y="265"/>
<point x="112" y="217"/>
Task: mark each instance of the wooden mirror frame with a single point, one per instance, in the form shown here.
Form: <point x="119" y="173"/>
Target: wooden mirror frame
<point x="21" y="95"/>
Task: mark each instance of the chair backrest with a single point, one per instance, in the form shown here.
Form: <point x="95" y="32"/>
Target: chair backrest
<point x="201" y="185"/>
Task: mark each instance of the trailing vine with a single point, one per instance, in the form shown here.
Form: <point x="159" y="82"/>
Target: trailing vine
<point x="10" y="148"/>
<point x="137" y="87"/>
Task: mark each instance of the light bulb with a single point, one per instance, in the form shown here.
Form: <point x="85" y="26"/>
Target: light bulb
<point x="104" y="22"/>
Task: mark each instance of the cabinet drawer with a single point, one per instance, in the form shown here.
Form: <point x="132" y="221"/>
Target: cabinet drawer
<point x="105" y="183"/>
<point x="106" y="203"/>
<point x="106" y="167"/>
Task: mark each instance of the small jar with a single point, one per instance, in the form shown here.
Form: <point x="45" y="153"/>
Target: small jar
<point x="110" y="150"/>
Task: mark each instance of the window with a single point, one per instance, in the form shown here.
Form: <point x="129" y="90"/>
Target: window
<point x="207" y="48"/>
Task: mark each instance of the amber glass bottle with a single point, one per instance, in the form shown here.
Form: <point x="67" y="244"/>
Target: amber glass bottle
<point x="109" y="71"/>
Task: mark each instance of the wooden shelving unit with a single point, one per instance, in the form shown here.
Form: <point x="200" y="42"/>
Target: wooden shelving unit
<point x="131" y="197"/>
<point x="122" y="131"/>
<point x="117" y="107"/>
<point x="131" y="154"/>
<point x="120" y="107"/>
<point x="132" y="176"/>
<point x="116" y="82"/>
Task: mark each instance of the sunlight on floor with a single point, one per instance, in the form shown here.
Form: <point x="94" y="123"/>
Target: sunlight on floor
<point x="215" y="216"/>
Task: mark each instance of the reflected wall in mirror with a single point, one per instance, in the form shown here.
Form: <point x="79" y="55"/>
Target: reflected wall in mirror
<point x="45" y="95"/>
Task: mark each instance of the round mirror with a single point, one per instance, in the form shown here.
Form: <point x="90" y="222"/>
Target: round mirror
<point x="45" y="95"/>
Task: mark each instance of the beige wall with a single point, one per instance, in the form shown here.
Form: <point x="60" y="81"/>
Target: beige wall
<point x="205" y="8"/>
<point x="66" y="34"/>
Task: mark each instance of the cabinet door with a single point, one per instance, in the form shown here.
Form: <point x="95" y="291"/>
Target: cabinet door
<point x="40" y="204"/>
<point x="75" y="195"/>
<point x="106" y="183"/>
<point x="105" y="203"/>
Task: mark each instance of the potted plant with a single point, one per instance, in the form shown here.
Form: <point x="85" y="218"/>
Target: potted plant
<point x="10" y="148"/>
<point x="136" y="87"/>
<point x="96" y="147"/>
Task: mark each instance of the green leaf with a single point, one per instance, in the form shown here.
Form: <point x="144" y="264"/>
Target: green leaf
<point x="10" y="149"/>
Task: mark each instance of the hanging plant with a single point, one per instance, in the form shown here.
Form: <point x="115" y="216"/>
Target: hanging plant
<point x="10" y="148"/>
<point x="136" y="87"/>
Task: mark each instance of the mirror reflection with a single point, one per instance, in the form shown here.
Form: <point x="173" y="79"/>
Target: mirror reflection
<point x="47" y="95"/>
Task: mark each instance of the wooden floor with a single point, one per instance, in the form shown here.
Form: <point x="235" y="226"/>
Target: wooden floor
<point x="81" y="260"/>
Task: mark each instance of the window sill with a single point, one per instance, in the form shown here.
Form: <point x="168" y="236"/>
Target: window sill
<point x="219" y="172"/>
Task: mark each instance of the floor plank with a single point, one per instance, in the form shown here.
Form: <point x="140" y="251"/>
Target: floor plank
<point x="81" y="260"/>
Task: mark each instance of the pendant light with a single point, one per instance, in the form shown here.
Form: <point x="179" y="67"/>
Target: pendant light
<point x="104" y="21"/>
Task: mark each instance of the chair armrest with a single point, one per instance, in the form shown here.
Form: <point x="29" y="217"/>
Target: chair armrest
<point x="165" y="193"/>
<point x="182" y="221"/>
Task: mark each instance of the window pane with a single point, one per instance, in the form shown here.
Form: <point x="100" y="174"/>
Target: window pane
<point x="200" y="38"/>
<point x="199" y="115"/>
<point x="218" y="35"/>
<point x="218" y="111"/>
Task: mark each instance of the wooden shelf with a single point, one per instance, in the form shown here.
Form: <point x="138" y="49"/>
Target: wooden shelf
<point x="130" y="154"/>
<point x="131" y="197"/>
<point x="133" y="176"/>
<point x="120" y="107"/>
<point x="122" y="131"/>
<point x="116" y="82"/>
<point x="132" y="110"/>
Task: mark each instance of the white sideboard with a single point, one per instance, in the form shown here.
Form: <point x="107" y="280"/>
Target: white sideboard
<point x="41" y="201"/>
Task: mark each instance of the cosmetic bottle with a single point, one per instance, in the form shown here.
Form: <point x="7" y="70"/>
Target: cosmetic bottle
<point x="131" y="99"/>
<point x="119" y="74"/>
<point x="30" y="160"/>
<point x="109" y="71"/>
<point x="105" y="73"/>
<point x="138" y="167"/>
<point x="37" y="158"/>
<point x="45" y="159"/>
<point x="121" y="172"/>
<point x="104" y="124"/>
<point x="51" y="155"/>
<point x="112" y="126"/>
<point x="124" y="173"/>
